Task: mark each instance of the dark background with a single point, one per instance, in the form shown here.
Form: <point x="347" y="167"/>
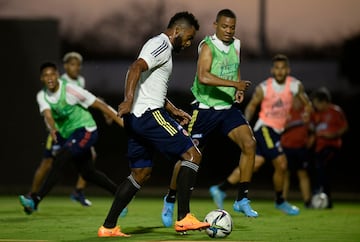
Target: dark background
<point x="26" y="44"/>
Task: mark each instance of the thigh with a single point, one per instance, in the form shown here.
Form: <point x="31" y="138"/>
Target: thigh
<point x="203" y="123"/>
<point x="80" y="142"/>
<point x="155" y="129"/>
<point x="231" y="119"/>
<point x="297" y="158"/>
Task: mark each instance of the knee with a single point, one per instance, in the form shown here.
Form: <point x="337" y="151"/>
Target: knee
<point x="193" y="155"/>
<point x="280" y="165"/>
<point x="259" y="161"/>
<point x="248" y="146"/>
<point x="87" y="173"/>
<point x="141" y="175"/>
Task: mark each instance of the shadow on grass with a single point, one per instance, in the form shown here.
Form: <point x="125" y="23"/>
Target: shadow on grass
<point x="139" y="230"/>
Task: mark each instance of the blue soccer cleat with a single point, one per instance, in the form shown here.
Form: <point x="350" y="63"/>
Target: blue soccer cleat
<point x="79" y="196"/>
<point x="28" y="204"/>
<point x="167" y="213"/>
<point x="218" y="196"/>
<point x="288" y="208"/>
<point x="243" y="206"/>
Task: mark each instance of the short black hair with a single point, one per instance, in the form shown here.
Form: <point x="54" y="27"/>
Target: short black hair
<point x="322" y="94"/>
<point x="281" y="57"/>
<point x="48" y="64"/>
<point x="226" y="13"/>
<point x="189" y="18"/>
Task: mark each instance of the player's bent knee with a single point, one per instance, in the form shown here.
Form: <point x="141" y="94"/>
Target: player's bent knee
<point x="141" y="175"/>
<point x="193" y="155"/>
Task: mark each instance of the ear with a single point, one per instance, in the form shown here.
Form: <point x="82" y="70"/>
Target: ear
<point x="215" y="24"/>
<point x="177" y="31"/>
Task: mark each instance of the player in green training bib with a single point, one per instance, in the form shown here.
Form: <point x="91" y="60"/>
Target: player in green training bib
<point x="72" y="66"/>
<point x="216" y="88"/>
<point x="72" y="128"/>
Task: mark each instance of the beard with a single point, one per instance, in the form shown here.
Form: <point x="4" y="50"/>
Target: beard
<point x="177" y="44"/>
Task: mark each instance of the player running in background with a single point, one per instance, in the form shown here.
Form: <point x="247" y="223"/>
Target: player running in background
<point x="149" y="119"/>
<point x="330" y="125"/>
<point x="216" y="86"/>
<point x="72" y="66"/>
<point x="72" y="127"/>
<point x="297" y="141"/>
<point x="275" y="98"/>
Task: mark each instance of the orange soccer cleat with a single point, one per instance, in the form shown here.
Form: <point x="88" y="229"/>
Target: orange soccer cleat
<point x="114" y="232"/>
<point x="190" y="222"/>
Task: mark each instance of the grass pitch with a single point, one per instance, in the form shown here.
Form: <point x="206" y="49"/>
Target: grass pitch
<point x="60" y="219"/>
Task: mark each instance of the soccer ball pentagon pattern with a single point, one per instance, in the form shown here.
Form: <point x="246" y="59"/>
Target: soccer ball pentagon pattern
<point x="320" y="201"/>
<point x="221" y="223"/>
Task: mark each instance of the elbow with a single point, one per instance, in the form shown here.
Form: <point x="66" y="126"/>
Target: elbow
<point x="203" y="79"/>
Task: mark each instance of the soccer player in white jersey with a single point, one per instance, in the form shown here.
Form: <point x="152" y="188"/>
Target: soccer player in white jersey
<point x="72" y="66"/>
<point x="150" y="120"/>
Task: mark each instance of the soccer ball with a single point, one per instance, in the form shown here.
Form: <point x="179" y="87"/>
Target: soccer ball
<point x="221" y="223"/>
<point x="320" y="201"/>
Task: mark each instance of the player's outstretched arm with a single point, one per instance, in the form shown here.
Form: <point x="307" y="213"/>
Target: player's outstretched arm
<point x="108" y="111"/>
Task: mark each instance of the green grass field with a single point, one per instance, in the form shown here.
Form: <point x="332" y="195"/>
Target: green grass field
<point x="60" y="219"/>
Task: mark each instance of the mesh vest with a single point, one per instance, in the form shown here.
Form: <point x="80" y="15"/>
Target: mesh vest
<point x="225" y="66"/>
<point x="68" y="117"/>
<point x="276" y="106"/>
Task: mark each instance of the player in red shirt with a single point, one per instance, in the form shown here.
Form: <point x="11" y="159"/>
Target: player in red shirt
<point x="330" y="125"/>
<point x="296" y="141"/>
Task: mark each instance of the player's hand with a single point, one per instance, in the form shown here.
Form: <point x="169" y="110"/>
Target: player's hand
<point x="124" y="108"/>
<point x="53" y="133"/>
<point x="182" y="117"/>
<point x="243" y="85"/>
<point x="239" y="96"/>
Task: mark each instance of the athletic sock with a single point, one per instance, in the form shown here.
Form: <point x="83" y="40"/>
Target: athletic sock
<point x="243" y="190"/>
<point x="171" y="196"/>
<point x="36" y="198"/>
<point x="279" y="197"/>
<point x="125" y="192"/>
<point x="225" y="185"/>
<point x="79" y="190"/>
<point x="99" y="178"/>
<point x="185" y="185"/>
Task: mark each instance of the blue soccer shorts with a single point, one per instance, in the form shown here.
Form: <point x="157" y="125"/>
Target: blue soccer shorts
<point x="268" y="143"/>
<point x="155" y="130"/>
<point x="205" y="121"/>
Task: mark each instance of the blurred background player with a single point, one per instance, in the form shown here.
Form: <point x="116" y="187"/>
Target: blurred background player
<point x="330" y="125"/>
<point x="297" y="141"/>
<point x="216" y="88"/>
<point x="72" y="62"/>
<point x="275" y="97"/>
<point x="72" y="127"/>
